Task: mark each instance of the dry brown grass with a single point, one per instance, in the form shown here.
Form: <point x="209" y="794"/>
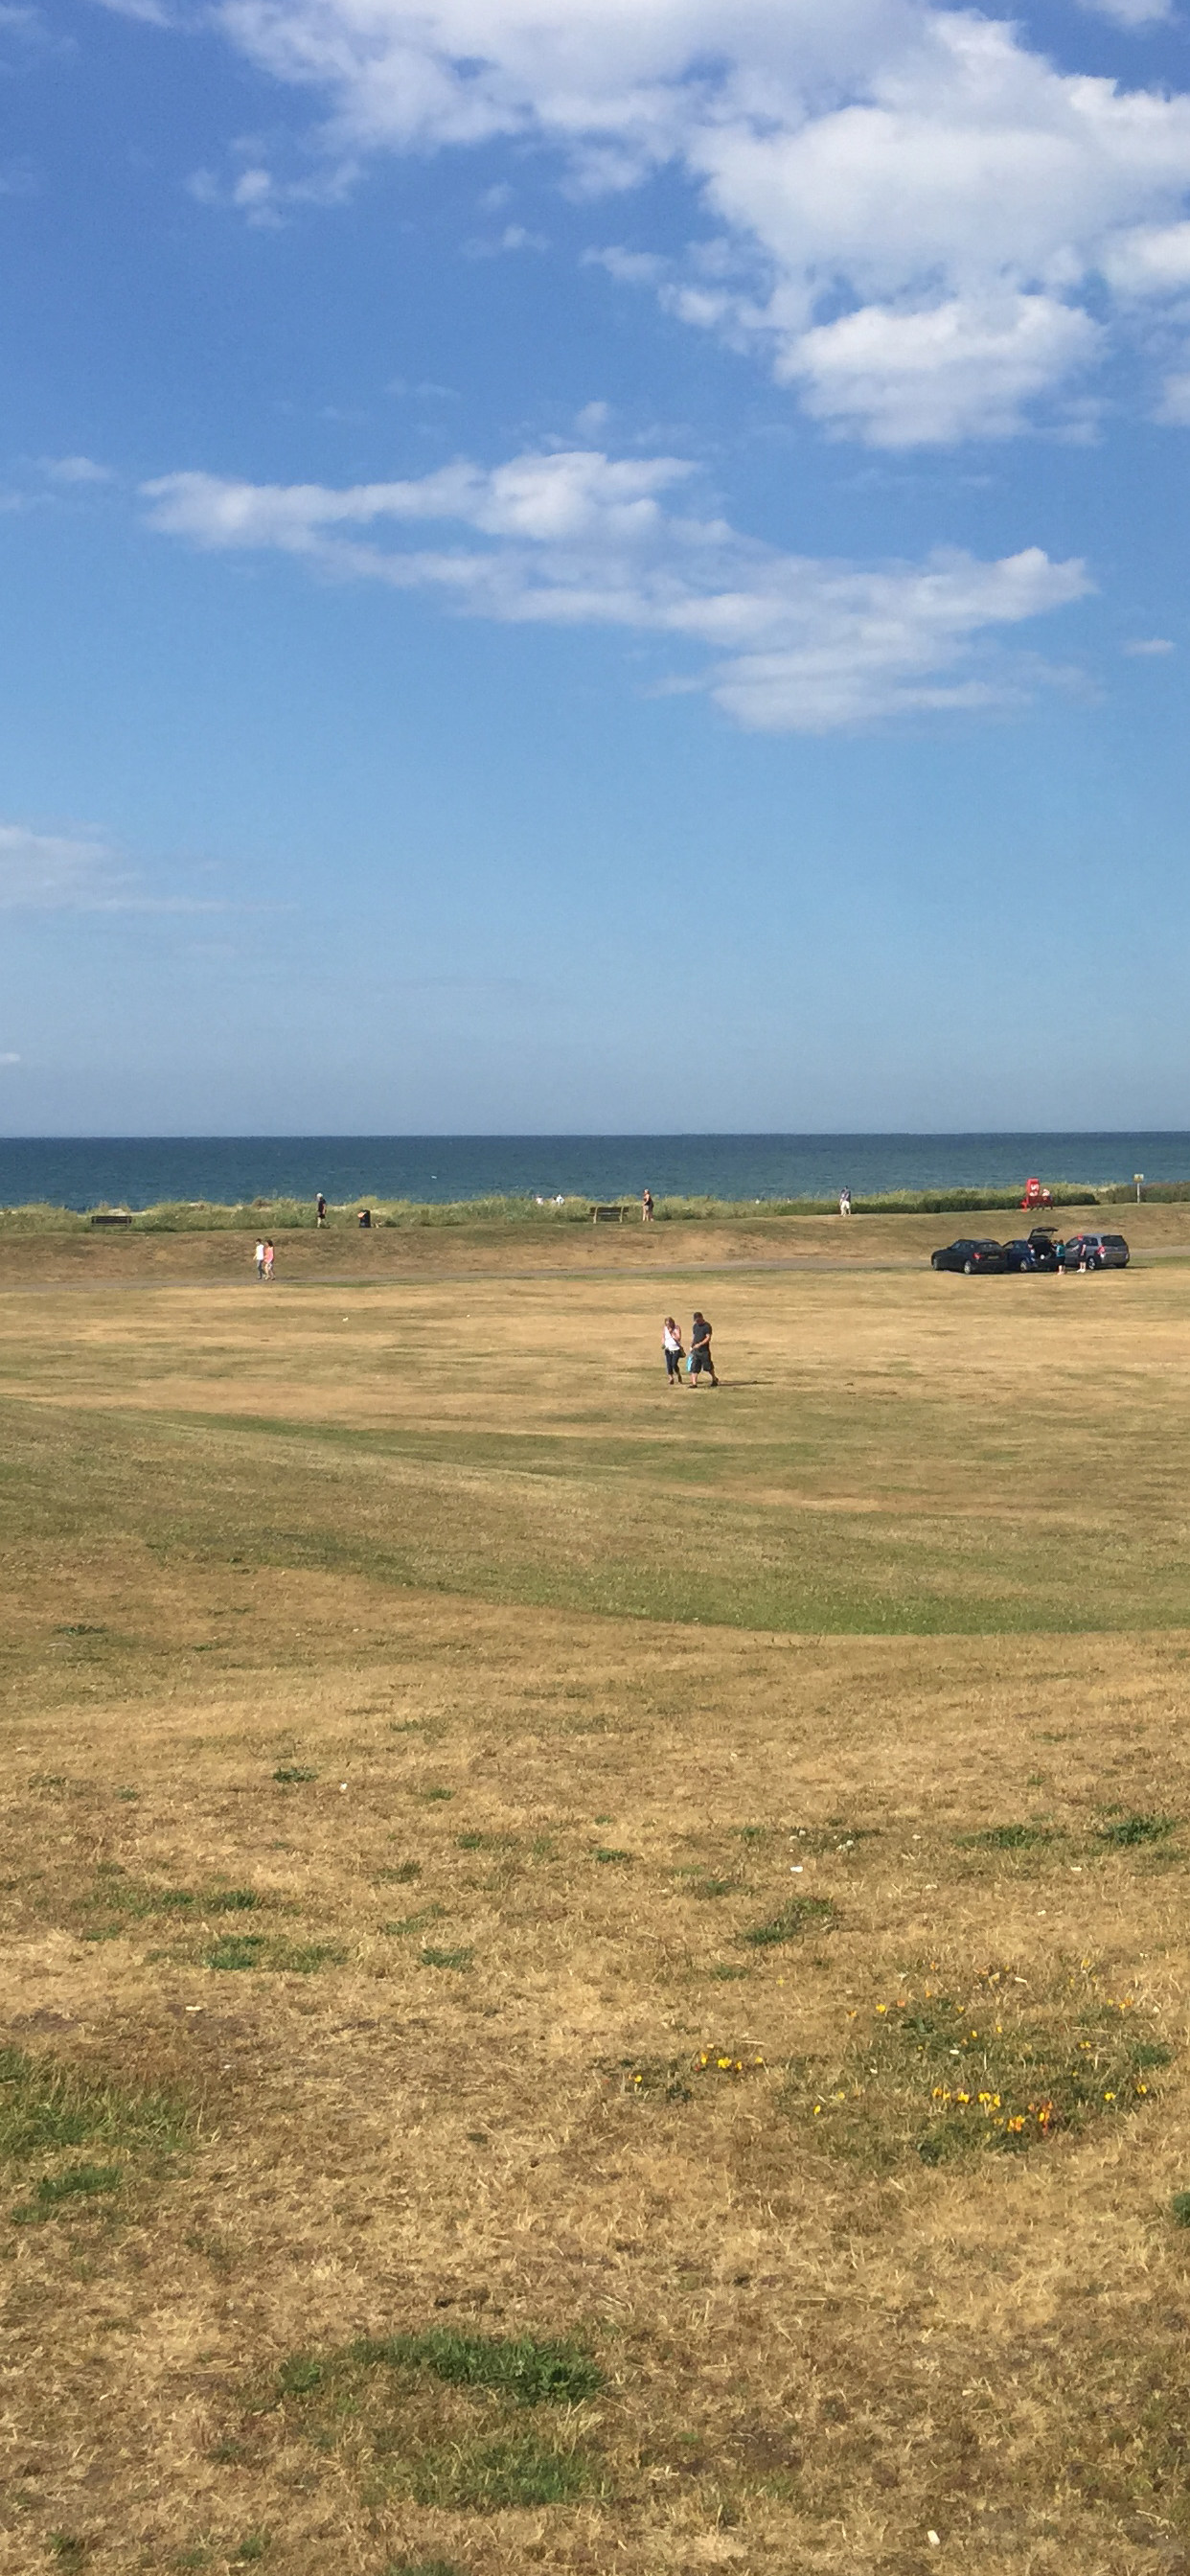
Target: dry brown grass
<point x="816" y="2347"/>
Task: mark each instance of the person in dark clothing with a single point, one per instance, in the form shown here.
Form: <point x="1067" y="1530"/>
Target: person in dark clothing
<point x="320" y="1208"/>
<point x="700" y="1350"/>
<point x="365" y="1217"/>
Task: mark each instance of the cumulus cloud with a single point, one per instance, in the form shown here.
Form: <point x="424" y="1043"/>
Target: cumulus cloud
<point x="795" y="644"/>
<point x="934" y="376"/>
<point x="914" y="212"/>
<point x="1150" y="647"/>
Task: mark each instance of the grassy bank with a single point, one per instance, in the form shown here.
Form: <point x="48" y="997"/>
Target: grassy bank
<point x="288" y="1215"/>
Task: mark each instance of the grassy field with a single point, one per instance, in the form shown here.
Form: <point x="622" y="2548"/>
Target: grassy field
<point x="596" y="1977"/>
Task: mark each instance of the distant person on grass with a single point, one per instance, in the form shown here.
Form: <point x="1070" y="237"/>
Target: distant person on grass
<point x="259" y="1257"/>
<point x="320" y="1208"/>
<point x="646" y="1206"/>
<point x="269" y="1258"/>
<point x="700" y="1350"/>
<point x="671" y="1344"/>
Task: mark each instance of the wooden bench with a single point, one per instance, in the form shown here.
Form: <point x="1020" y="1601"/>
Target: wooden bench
<point x="110" y="1216"/>
<point x="608" y="1215"/>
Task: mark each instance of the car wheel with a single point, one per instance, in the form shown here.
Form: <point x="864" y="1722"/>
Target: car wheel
<point x="933" y="1261"/>
<point x="968" y="1270"/>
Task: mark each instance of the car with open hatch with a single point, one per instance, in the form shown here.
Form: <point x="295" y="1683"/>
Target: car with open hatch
<point x="971" y="1253"/>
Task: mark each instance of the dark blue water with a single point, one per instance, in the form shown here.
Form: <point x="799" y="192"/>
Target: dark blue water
<point x="138" y="1171"/>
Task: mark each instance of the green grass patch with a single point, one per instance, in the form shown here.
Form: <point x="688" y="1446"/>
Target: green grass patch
<point x="74" y="2182"/>
<point x="289" y="1773"/>
<point x="607" y="1853"/>
<point x="533" y="2369"/>
<point x="494" y="2476"/>
<point x="240" y="1950"/>
<point x="1125" y="1832"/>
<point x="800" y="1915"/>
<point x="945" y="2076"/>
<point x="1179" y="2208"/>
<point x="438" y="2416"/>
<point x="119" y="1900"/>
<point x="402" y="1876"/>
<point x="460" y="1958"/>
<point x="46" y="2104"/>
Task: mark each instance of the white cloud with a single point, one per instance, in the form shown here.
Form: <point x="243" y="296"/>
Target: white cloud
<point x="75" y="469"/>
<point x="1131" y="13"/>
<point x="951" y="371"/>
<point x="1174" y="407"/>
<point x="912" y="207"/>
<point x="74" y="872"/>
<point x="577" y="538"/>
<point x="55" y="872"/>
<point x="9" y="1058"/>
<point x="1147" y="646"/>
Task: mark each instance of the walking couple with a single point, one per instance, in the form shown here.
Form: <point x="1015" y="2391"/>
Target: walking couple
<point x="700" y="1351"/>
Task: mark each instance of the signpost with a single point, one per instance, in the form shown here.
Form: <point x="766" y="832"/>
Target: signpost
<point x="1138" y="1177"/>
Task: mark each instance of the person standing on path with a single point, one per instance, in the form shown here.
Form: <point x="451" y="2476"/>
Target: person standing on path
<point x="320" y="1208"/>
<point x="700" y="1350"/>
<point x="646" y="1206"/>
<point x="844" y="1202"/>
<point x="268" y="1261"/>
<point x="259" y="1256"/>
<point x="671" y="1344"/>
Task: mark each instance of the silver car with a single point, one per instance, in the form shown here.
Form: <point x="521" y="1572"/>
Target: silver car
<point x="1096" y="1251"/>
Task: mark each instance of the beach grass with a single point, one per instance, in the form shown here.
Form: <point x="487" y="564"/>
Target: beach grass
<point x="526" y="1211"/>
<point x="534" y="1905"/>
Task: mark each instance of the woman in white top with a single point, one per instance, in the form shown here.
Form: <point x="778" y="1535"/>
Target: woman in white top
<point x="671" y="1344"/>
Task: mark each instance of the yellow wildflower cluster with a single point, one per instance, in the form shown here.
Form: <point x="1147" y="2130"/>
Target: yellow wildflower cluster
<point x="722" y="2061"/>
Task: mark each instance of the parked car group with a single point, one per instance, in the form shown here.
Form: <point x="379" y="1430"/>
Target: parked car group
<point x="1041" y="1249"/>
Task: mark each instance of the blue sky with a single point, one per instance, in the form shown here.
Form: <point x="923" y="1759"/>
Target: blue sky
<point x="593" y="564"/>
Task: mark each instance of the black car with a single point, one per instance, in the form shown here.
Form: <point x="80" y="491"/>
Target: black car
<point x="1023" y="1255"/>
<point x="1043" y="1243"/>
<point x="970" y="1253"/>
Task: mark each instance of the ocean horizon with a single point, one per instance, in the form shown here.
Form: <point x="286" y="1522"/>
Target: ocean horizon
<point x="80" y="1172"/>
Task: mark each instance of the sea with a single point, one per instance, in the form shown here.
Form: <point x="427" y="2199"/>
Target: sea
<point x="140" y="1171"/>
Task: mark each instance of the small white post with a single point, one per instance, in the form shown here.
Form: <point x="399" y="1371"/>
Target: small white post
<point x="1138" y="1177"/>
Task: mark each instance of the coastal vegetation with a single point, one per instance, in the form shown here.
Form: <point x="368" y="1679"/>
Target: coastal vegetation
<point x="200" y="1216"/>
<point x="595" y="1979"/>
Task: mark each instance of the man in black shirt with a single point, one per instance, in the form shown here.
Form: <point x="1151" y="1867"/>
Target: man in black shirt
<point x="700" y="1350"/>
